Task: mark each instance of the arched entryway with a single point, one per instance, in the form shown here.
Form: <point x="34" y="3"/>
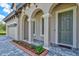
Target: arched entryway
<point x="63" y="24"/>
<point x="25" y="25"/>
<point x="38" y="26"/>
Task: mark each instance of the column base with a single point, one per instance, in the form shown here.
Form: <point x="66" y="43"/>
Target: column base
<point x="29" y="42"/>
<point x="46" y="47"/>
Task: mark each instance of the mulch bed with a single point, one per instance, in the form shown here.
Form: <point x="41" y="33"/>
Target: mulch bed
<point x="28" y="46"/>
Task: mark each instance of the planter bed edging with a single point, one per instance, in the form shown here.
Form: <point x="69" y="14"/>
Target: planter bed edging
<point x="28" y="51"/>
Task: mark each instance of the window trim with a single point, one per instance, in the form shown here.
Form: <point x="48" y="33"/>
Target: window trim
<point x="34" y="34"/>
<point x="41" y="27"/>
<point x="74" y="8"/>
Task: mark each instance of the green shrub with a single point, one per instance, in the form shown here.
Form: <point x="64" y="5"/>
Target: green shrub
<point x="2" y="33"/>
<point x="39" y="49"/>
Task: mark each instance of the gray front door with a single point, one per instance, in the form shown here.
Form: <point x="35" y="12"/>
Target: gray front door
<point x="65" y="27"/>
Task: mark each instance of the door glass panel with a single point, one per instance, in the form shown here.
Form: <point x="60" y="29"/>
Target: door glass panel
<point x="33" y="27"/>
<point x="65" y="27"/>
<point x="42" y="26"/>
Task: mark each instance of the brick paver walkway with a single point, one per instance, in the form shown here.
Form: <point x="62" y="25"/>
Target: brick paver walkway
<point x="8" y="49"/>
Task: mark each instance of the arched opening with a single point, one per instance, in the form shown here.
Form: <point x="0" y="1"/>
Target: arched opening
<point x="38" y="26"/>
<point x="62" y="24"/>
<point x="25" y="22"/>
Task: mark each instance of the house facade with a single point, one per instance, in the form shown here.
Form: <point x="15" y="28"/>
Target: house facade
<point x="51" y="23"/>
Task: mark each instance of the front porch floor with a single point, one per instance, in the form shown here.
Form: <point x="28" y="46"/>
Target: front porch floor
<point x="61" y="51"/>
<point x="55" y="50"/>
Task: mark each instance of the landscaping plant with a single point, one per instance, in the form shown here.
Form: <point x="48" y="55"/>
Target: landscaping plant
<point x="39" y="49"/>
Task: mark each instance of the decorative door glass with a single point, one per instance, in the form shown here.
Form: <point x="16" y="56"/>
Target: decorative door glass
<point x="65" y="27"/>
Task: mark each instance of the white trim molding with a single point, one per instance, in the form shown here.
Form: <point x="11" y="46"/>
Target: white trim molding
<point x="46" y="31"/>
<point x="42" y="35"/>
<point x="30" y="31"/>
<point x="11" y="23"/>
<point x="34" y="20"/>
<point x="74" y="24"/>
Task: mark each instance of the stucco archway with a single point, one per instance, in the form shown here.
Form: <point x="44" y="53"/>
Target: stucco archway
<point x="25" y="27"/>
<point x="37" y="25"/>
<point x="56" y="4"/>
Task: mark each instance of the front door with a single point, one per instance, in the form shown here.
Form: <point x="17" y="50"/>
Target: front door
<point x="65" y="27"/>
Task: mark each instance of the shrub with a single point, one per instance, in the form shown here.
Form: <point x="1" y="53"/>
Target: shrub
<point x="16" y="41"/>
<point x="39" y="49"/>
<point x="2" y="33"/>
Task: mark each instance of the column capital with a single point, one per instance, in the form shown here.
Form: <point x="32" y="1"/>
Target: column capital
<point x="47" y="15"/>
<point x="29" y="19"/>
<point x="15" y="16"/>
<point x="23" y="9"/>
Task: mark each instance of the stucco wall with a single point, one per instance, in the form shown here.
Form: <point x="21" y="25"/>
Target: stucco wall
<point x="43" y="6"/>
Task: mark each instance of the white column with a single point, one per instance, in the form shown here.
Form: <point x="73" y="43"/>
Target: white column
<point x="17" y="36"/>
<point x="21" y="30"/>
<point x="21" y="27"/>
<point x="30" y="30"/>
<point x="46" y="31"/>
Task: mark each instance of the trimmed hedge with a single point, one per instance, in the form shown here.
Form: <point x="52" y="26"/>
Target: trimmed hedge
<point x="3" y="33"/>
